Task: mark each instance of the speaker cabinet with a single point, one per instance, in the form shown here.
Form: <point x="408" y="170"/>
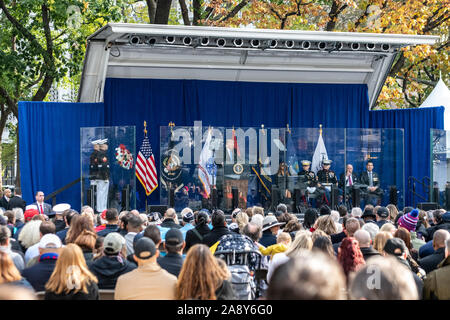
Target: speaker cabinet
<point x="275" y="198"/>
<point x="297" y="200"/>
<point x="126" y="198"/>
<point x="356" y="197"/>
<point x="393" y="195"/>
<point x="426" y="206"/>
<point x="235" y="198"/>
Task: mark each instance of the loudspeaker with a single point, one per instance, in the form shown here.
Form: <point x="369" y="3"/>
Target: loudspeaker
<point x="171" y="198"/>
<point x="356" y="197"/>
<point x="334" y="197"/>
<point x="297" y="200"/>
<point x="126" y="197"/>
<point x="235" y="195"/>
<point x="160" y="209"/>
<point x="447" y="198"/>
<point x="427" y="206"/>
<point x="275" y="198"/>
<point x="393" y="195"/>
<point x="214" y="198"/>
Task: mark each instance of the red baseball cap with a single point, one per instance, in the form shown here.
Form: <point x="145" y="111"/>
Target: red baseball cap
<point x="29" y="214"/>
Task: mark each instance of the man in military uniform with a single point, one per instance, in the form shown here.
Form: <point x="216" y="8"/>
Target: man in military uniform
<point x="327" y="179"/>
<point x="102" y="173"/>
<point x="308" y="181"/>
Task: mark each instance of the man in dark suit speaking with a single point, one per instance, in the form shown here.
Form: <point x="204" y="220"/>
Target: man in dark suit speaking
<point x="43" y="208"/>
<point x="371" y="179"/>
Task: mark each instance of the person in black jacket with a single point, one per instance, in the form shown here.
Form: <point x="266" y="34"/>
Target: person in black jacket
<point x="219" y="229"/>
<point x="61" y="286"/>
<point x="441" y="221"/>
<point x="430" y="263"/>
<point x="195" y="236"/>
<point x="113" y="263"/>
<point x="371" y="179"/>
<point x="4" y="201"/>
<point x="170" y="219"/>
<point x="49" y="249"/>
<point x="365" y="244"/>
<point x="270" y="230"/>
<point x="112" y="216"/>
<point x="17" y="201"/>
<point x="174" y="245"/>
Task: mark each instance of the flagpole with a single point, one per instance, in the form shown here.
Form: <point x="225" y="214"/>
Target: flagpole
<point x="145" y="136"/>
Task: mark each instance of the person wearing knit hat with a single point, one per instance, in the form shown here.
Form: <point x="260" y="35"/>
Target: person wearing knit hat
<point x="409" y="220"/>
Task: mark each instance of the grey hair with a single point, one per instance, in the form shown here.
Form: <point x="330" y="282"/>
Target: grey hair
<point x="18" y="212"/>
<point x="356" y="212"/>
<point x="30" y="235"/>
<point x="372" y="229"/>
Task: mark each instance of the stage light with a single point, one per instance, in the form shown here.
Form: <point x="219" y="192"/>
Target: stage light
<point x="135" y="40"/>
<point x="238" y="42"/>
<point x="221" y="42"/>
<point x="355" y="46"/>
<point x="385" y="47"/>
<point x="306" y="45"/>
<point x="273" y="43"/>
<point x="170" y="39"/>
<point x="370" y="46"/>
<point x="187" y="41"/>
<point x="255" y="43"/>
<point x="204" y="41"/>
<point x="322" y="46"/>
<point x="289" y="44"/>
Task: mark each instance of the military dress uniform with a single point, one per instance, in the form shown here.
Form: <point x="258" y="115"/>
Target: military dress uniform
<point x="326" y="178"/>
<point x="308" y="182"/>
<point x="99" y="172"/>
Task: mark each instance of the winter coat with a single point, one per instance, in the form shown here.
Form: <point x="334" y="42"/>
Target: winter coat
<point x="436" y="283"/>
<point x="215" y="235"/>
<point x="80" y="295"/>
<point x="429" y="263"/>
<point x="108" y="268"/>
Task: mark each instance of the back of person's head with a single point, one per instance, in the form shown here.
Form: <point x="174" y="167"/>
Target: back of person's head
<point x="113" y="244"/>
<point x="311" y="275"/>
<point x="393" y="211"/>
<point x="174" y="241"/>
<point x="15" y="292"/>
<point x="78" y="224"/>
<point x="350" y="256"/>
<point x="342" y="211"/>
<point x="30" y="233"/>
<point x="326" y="223"/>
<point x="134" y="222"/>
<point x="200" y="275"/>
<point x="319" y="233"/>
<point x="282" y="207"/>
<point x="253" y="231"/>
<point x="372" y="229"/>
<point x="293" y="225"/>
<point x="388" y="227"/>
<point x="310" y="218"/>
<point x="10" y="215"/>
<point x="218" y="218"/>
<point x="407" y="210"/>
<point x="47" y="227"/>
<point x="258" y="219"/>
<point x="356" y="212"/>
<point x="383" y="278"/>
<point x="302" y="241"/>
<point x="70" y="262"/>
<point x="170" y="213"/>
<point x="437" y="215"/>
<point x="324" y="210"/>
<point x="68" y="215"/>
<point x="335" y="215"/>
<point x="241" y="220"/>
<point x="18" y="212"/>
<point x="440" y="237"/>
<point x="86" y="240"/>
<point x="18" y="192"/>
<point x="404" y="234"/>
<point x="112" y="215"/>
<point x="8" y="271"/>
<point x="380" y="240"/>
<point x="323" y="243"/>
<point x="258" y="210"/>
<point x="249" y="212"/>
<point x="363" y="238"/>
<point x="201" y="218"/>
<point x="283" y="237"/>
<point x="369" y="212"/>
<point x="153" y="232"/>
<point x="5" y="234"/>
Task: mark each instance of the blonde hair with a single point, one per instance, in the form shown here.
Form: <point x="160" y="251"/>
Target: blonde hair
<point x="30" y="234"/>
<point x="326" y="223"/>
<point x="283" y="236"/>
<point x="319" y="233"/>
<point x="393" y="212"/>
<point x="258" y="210"/>
<point x="90" y="215"/>
<point x="380" y="240"/>
<point x="302" y="241"/>
<point x="8" y="271"/>
<point x="388" y="227"/>
<point x="71" y="258"/>
<point x="241" y="220"/>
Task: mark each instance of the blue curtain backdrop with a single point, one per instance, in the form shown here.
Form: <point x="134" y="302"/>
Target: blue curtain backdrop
<point x="417" y="124"/>
<point x="49" y="146"/>
<point x="224" y="103"/>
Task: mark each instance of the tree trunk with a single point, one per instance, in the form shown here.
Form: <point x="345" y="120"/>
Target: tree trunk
<point x="17" y="161"/>
<point x="197" y="8"/>
<point x="163" y="11"/>
<point x="151" y="8"/>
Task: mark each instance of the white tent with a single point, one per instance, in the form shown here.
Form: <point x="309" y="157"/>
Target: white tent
<point x="440" y="96"/>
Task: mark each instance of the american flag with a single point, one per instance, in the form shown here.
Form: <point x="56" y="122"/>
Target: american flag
<point x="145" y="167"/>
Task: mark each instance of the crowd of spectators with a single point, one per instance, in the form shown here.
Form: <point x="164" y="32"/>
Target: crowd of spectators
<point x="374" y="253"/>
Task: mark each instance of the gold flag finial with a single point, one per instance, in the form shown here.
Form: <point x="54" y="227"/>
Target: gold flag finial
<point x="320" y="129"/>
<point x="145" y="128"/>
<point x="287" y="126"/>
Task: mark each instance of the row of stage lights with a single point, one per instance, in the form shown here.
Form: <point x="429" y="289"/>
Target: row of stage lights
<point x="256" y="43"/>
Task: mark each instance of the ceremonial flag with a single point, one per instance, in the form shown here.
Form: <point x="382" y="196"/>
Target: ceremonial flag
<point x="207" y="169"/>
<point x="319" y="154"/>
<point x="145" y="166"/>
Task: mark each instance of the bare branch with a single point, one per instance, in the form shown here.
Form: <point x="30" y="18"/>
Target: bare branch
<point x="184" y="12"/>
<point x="235" y="10"/>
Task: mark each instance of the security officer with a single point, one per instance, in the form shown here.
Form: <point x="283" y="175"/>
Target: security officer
<point x="326" y="178"/>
